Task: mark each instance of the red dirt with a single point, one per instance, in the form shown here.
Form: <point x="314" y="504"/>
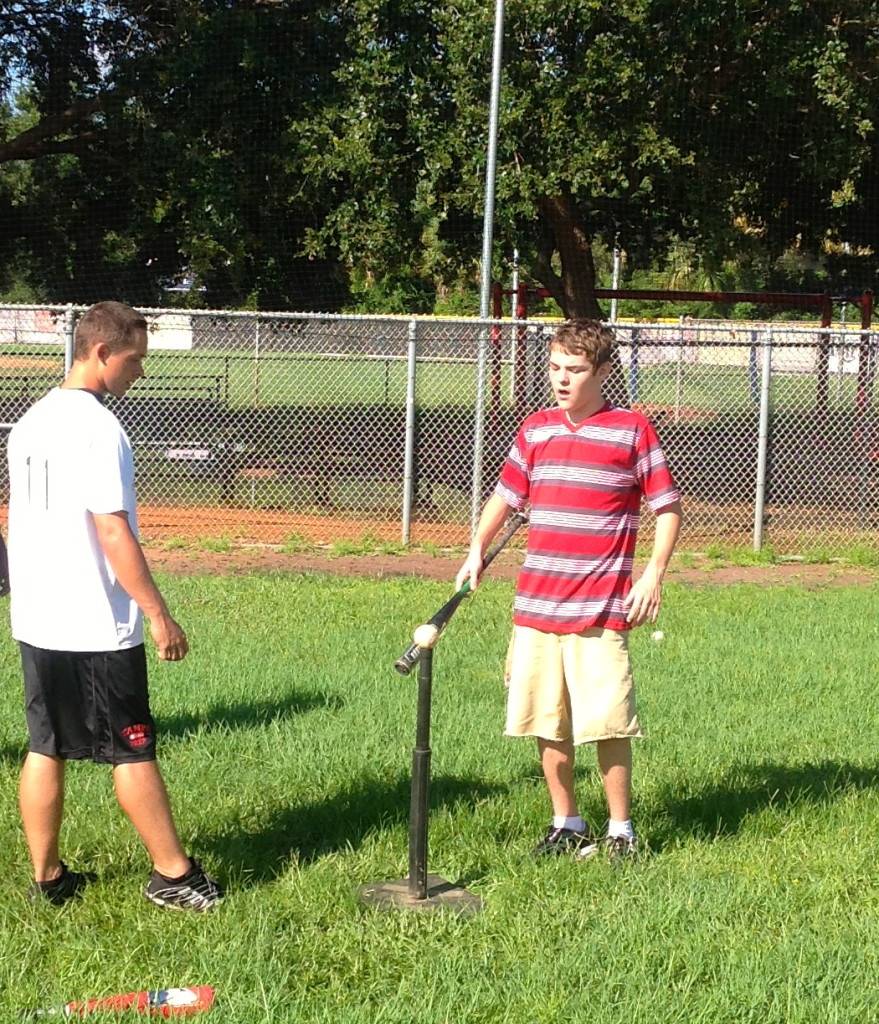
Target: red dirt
<point x="683" y="413"/>
<point x="30" y="362"/>
<point x="273" y="527"/>
<point x="240" y="561"/>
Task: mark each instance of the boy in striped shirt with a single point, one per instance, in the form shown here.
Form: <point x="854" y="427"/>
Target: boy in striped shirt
<point x="583" y="468"/>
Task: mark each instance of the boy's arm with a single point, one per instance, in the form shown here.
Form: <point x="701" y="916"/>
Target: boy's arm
<point x="494" y="514"/>
<point x="126" y="558"/>
<point x="645" y="597"/>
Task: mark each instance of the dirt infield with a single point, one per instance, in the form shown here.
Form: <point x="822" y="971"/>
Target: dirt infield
<point x="195" y="558"/>
<point x="268" y="526"/>
<point x="445" y="565"/>
<point x="32" y="363"/>
<point x="661" y="414"/>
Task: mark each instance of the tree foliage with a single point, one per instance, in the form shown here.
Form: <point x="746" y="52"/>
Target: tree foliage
<point x="742" y="127"/>
<point x="288" y="153"/>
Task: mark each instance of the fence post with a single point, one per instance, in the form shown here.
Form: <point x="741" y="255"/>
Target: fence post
<point x="256" y="364"/>
<point x="479" y="429"/>
<point x="753" y="385"/>
<point x="679" y="371"/>
<point x="409" y="456"/>
<point x="514" y="330"/>
<point x="763" y="441"/>
<point x="68" y="338"/>
<point x="633" y="366"/>
<point x="615" y="281"/>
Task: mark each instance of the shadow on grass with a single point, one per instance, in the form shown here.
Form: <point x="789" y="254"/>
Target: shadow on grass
<point x="244" y="714"/>
<point x="12" y="753"/>
<point x="340" y="822"/>
<point x="241" y="715"/>
<point x="722" y="806"/>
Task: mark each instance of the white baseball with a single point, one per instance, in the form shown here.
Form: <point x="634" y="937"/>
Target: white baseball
<point x="657" y="635"/>
<point x="425" y="635"/>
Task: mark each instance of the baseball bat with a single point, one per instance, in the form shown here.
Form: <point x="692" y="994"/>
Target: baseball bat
<point x="161" y="1002"/>
<point x="409" y="658"/>
<point x="4" y="568"/>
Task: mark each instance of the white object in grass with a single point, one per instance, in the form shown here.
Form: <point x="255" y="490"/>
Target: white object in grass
<point x="657" y="635"/>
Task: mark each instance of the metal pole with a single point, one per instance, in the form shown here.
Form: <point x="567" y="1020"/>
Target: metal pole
<point x="514" y="336"/>
<point x="763" y="441"/>
<point x="487" y="239"/>
<point x="753" y="387"/>
<point x="615" y="283"/>
<point x="840" y="355"/>
<point x="491" y="159"/>
<point x="633" y="366"/>
<point x="409" y="456"/>
<point x="256" y="366"/>
<point x="420" y="782"/>
<point x="679" y="373"/>
<point x="68" y="338"/>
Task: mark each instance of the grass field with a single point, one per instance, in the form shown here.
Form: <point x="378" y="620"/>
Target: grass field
<point x="235" y="378"/>
<point x="287" y="740"/>
<point x="313" y="380"/>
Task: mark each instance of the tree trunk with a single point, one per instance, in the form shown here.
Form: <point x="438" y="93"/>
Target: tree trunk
<point x="563" y="232"/>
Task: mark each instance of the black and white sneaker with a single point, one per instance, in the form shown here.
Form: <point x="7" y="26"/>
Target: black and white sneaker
<point x="194" y="891"/>
<point x="620" y="848"/>
<point x="565" y="841"/>
<point x="67" y="886"/>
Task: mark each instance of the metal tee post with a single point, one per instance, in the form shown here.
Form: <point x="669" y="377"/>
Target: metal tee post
<point x="421" y="891"/>
<point x="420" y="782"/>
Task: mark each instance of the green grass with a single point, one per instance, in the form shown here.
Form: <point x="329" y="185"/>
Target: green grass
<point x="309" y="379"/>
<point x="286" y="745"/>
<point x="314" y="379"/>
<point x="731" y="554"/>
<point x="218" y="545"/>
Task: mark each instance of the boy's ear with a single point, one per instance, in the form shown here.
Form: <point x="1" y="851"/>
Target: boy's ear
<point x="603" y="372"/>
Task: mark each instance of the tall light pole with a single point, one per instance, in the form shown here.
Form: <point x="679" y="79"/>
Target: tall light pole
<point x="487" y="239"/>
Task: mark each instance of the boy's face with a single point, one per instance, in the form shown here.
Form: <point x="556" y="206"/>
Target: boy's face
<point x="575" y="383"/>
<point x="122" y="369"/>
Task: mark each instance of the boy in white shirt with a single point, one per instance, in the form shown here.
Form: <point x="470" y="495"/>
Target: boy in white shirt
<point x="80" y="587"/>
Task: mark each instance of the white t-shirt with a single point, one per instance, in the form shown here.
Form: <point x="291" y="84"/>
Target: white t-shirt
<point x="68" y="457"/>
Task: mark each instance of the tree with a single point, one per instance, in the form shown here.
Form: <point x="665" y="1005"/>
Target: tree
<point x="156" y="139"/>
<point x="734" y="126"/>
<point x="283" y="151"/>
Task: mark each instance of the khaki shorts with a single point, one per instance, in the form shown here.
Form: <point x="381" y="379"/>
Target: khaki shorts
<point x="572" y="686"/>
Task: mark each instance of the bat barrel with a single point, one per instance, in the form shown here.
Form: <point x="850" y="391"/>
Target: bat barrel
<point x="408" y="659"/>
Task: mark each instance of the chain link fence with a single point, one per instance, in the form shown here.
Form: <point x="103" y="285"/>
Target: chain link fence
<point x="274" y="427"/>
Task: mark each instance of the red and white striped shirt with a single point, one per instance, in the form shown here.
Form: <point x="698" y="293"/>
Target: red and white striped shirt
<point x="584" y="484"/>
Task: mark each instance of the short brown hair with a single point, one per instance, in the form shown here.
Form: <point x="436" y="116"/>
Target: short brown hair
<point x="588" y="338"/>
<point x="112" y="323"/>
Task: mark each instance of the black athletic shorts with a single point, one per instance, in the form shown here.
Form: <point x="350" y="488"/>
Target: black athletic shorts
<point x="88" y="705"/>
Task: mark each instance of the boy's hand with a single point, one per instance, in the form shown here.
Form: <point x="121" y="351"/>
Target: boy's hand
<point x="170" y="640"/>
<point x="645" y="597"/>
<point x="470" y="570"/>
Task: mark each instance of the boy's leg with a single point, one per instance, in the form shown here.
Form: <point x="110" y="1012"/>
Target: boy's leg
<point x="615" y="762"/>
<point x="177" y="881"/>
<point x="538" y="705"/>
<point x="141" y="793"/>
<point x="41" y="799"/>
<point x="557" y="761"/>
<point x="568" y="832"/>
